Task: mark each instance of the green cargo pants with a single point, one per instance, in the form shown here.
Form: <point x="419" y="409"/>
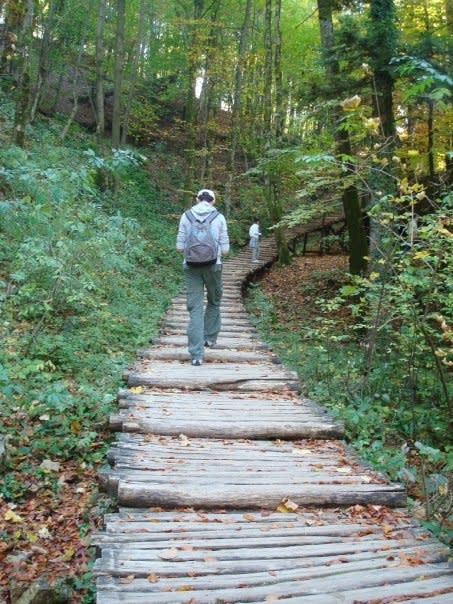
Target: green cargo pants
<point x="204" y="324"/>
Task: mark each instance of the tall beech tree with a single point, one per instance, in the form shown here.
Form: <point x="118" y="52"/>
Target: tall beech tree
<point x="236" y="104"/>
<point x="382" y="38"/>
<point x="136" y="56"/>
<point x="99" y="59"/>
<point x="24" y="73"/>
<point x="118" y="73"/>
<point x="350" y="198"/>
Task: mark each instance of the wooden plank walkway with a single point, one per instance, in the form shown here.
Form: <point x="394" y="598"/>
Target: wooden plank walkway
<point x="233" y="487"/>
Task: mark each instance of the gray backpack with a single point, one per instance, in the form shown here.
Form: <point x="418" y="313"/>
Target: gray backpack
<point x="201" y="247"/>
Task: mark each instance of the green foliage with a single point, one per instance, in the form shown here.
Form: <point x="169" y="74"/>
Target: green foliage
<point x="427" y="81"/>
<point x="377" y="349"/>
<point x="82" y="283"/>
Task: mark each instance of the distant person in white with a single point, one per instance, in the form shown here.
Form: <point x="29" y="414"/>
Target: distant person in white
<point x="254" y="234"/>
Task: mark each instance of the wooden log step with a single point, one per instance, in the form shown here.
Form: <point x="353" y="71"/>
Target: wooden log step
<point x="180" y="557"/>
<point x="123" y="557"/>
<point x="227" y="331"/>
<point x="220" y="376"/>
<point x="263" y="403"/>
<point x="211" y="473"/>
<point x="147" y="493"/>
<point x="215" y="354"/>
<point x="223" y="342"/>
<point x="232" y="296"/>
<point x="238" y="448"/>
<point x="180" y="314"/>
<point x="218" y="416"/>
<point x="212" y="429"/>
<point x="376" y="587"/>
<point x="227" y="309"/>
<point x="227" y="322"/>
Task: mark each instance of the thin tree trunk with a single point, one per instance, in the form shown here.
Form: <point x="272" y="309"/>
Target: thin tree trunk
<point x="118" y="74"/>
<point x="22" y="114"/>
<point x="44" y="59"/>
<point x="75" y="92"/>
<point x="57" y="92"/>
<point x="350" y="199"/>
<point x="134" y="69"/>
<point x="278" y="75"/>
<point x="267" y="109"/>
<point x="100" y="114"/>
<point x="189" y="113"/>
<point x="383" y="44"/>
<point x="236" y="105"/>
<point x="206" y="96"/>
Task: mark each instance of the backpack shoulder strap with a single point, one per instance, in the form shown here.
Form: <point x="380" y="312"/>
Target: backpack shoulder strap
<point x="190" y="217"/>
<point x="212" y="216"/>
<point x="208" y="220"/>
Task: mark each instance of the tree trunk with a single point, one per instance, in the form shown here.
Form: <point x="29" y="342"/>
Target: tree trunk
<point x="44" y="59"/>
<point x="13" y="22"/>
<point x="278" y="76"/>
<point x="100" y="115"/>
<point x="350" y="199"/>
<point x="267" y="109"/>
<point x="236" y="104"/>
<point x="75" y="92"/>
<point x="134" y="70"/>
<point x="189" y="112"/>
<point x="206" y="96"/>
<point x="382" y="44"/>
<point x="22" y="113"/>
<point x="118" y="74"/>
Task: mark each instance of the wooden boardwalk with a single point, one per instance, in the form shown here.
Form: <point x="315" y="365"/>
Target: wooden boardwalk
<point x="233" y="487"/>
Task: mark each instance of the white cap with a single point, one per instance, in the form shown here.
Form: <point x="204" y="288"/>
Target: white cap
<point x="206" y="195"/>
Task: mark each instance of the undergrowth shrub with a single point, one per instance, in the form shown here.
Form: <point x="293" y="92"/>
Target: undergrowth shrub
<point x="84" y="278"/>
<point x="376" y="351"/>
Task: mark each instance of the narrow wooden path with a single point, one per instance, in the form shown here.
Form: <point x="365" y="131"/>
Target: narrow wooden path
<point x="233" y="487"/>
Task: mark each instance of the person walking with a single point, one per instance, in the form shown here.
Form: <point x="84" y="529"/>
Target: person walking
<point x="254" y="234"/>
<point x="203" y="239"/>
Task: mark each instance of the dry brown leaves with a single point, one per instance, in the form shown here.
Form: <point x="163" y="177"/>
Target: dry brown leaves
<point x="41" y="535"/>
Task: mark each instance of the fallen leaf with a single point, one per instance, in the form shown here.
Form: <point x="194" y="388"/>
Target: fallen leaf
<point x="127" y="579"/>
<point x="11" y="516"/>
<point x="297" y="451"/>
<point x="184" y="441"/>
<point x="286" y="505"/>
<point x="169" y="554"/>
<point x="50" y="466"/>
<point x="249" y="517"/>
<point x="153" y="578"/>
<point x="68" y="553"/>
<point x="137" y="389"/>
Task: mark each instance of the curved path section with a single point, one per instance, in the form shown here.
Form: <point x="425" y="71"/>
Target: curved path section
<point x="232" y="487"/>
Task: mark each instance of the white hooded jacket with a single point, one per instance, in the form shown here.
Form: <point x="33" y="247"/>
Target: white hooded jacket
<point x="218" y="225"/>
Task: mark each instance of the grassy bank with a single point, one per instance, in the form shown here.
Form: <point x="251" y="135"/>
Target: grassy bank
<point x="85" y="275"/>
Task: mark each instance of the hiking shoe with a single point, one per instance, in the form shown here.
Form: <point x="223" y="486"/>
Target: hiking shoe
<point x="209" y="343"/>
<point x="197" y="362"/>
